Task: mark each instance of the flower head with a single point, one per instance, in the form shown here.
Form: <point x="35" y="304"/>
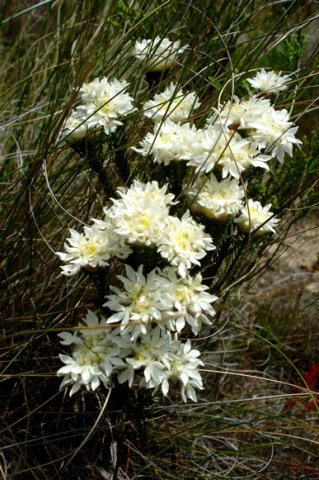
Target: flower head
<point x="92" y="248"/>
<point x="105" y="103"/>
<point x="226" y="150"/>
<point x="257" y="219"/>
<point x="163" y="358"/>
<point x="172" y="104"/>
<point x="184" y="363"/>
<point x="140" y="212"/>
<point x="216" y="200"/>
<point x="239" y="113"/>
<point x="94" y="357"/>
<point x="169" y="141"/>
<point x="273" y="132"/>
<point x="139" y="304"/>
<point x="75" y="128"/>
<point x="184" y="243"/>
<point x="269" y="132"/>
<point x="158" y="53"/>
<point x="206" y="148"/>
<point x="269" y="82"/>
<point x="149" y="353"/>
<point x="186" y="301"/>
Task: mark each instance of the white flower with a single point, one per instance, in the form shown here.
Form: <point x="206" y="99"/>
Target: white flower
<point x="94" y="357"/>
<point x="216" y="200"/>
<point x="139" y="304"/>
<point x="239" y="113"/>
<point x="163" y="358"/>
<point x="172" y="104"/>
<point x="267" y="130"/>
<point x="226" y="150"/>
<point x="139" y="214"/>
<point x="257" y="219"/>
<point x="139" y="224"/>
<point x="206" y="148"/>
<point x="92" y="248"/>
<point x="238" y="156"/>
<point x="275" y="133"/>
<point x="184" y="243"/>
<point x="160" y="297"/>
<point x="169" y="141"/>
<point x="105" y="103"/>
<point x="150" y="354"/>
<point x="75" y="128"/>
<point x="158" y="53"/>
<point x="269" y="82"/>
<point x="184" y="363"/>
<point x="186" y="300"/>
<point x="149" y="192"/>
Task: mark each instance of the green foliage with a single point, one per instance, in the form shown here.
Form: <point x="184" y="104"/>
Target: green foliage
<point x="293" y="47"/>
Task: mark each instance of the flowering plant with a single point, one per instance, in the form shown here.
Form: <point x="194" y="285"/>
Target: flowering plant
<point x="152" y="167"/>
<point x="155" y="305"/>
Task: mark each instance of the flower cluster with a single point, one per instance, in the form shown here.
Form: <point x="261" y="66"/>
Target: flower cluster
<point x="267" y="129"/>
<point x="94" y="355"/>
<point x="150" y="310"/>
<point x="138" y="215"/>
<point x="161" y="297"/>
<point x="163" y="358"/>
<point x="210" y="150"/>
<point x="104" y="103"/>
<point x="154" y="360"/>
<point x="150" y="303"/>
<point x="139" y="218"/>
<point x="256" y="218"/>
<point x="241" y="135"/>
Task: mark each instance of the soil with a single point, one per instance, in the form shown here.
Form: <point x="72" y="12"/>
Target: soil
<point x="298" y="263"/>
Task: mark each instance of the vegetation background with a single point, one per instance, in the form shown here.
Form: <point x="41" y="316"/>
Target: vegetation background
<point x="258" y="415"/>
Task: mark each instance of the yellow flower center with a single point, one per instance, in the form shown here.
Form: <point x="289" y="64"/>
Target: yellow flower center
<point x="103" y="105"/>
<point x="183" y="240"/>
<point x="139" y="356"/>
<point x="142" y="306"/>
<point x="143" y="223"/>
<point x="136" y="292"/>
<point x="87" y="249"/>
